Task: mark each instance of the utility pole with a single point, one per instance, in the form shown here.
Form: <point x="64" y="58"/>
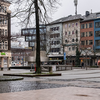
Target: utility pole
<point x="38" y="68"/>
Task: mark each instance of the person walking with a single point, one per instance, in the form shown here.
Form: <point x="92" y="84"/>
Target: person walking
<point x="82" y="64"/>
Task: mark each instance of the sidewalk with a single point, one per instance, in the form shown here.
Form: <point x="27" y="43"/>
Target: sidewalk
<point x="66" y="93"/>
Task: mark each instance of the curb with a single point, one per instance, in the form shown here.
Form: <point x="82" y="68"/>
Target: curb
<point x="10" y="78"/>
<point x="24" y="75"/>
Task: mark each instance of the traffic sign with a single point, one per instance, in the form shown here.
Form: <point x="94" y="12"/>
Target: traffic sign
<point x="64" y="55"/>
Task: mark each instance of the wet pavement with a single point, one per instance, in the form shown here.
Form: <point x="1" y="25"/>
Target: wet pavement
<point x="40" y="83"/>
<point x="74" y="78"/>
<point x="72" y="85"/>
<point x="16" y="86"/>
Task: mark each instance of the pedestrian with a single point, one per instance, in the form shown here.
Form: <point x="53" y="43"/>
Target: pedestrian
<point x="82" y="64"/>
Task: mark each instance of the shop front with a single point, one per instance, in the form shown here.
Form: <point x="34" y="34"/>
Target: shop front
<point x="7" y="56"/>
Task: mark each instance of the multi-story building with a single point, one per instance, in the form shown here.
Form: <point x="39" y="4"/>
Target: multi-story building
<point x="30" y="37"/>
<point x="5" y="31"/>
<point x="71" y="36"/>
<point x="19" y="55"/>
<point x="89" y="38"/>
<point x="54" y="40"/>
<point x="97" y="34"/>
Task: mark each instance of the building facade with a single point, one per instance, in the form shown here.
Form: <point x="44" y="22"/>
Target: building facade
<point x="71" y="36"/>
<point x="5" y="33"/>
<point x="30" y="37"/>
<point x="54" y="41"/>
<point x="97" y="35"/>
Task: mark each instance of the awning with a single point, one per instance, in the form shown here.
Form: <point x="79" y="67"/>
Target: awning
<point x="54" y="60"/>
<point x="85" y="58"/>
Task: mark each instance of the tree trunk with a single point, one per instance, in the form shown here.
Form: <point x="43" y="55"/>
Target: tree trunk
<point x="38" y="68"/>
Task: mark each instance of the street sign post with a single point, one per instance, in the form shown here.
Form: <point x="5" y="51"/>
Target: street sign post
<point x="64" y="57"/>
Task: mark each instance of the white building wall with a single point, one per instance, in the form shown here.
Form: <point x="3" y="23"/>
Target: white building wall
<point x="54" y="39"/>
<point x="69" y="33"/>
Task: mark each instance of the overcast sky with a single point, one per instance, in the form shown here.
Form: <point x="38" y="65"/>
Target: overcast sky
<point x="67" y="8"/>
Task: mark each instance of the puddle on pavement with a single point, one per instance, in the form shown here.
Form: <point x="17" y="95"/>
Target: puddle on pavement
<point x="83" y="95"/>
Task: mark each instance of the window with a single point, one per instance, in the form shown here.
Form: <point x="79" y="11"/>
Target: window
<point x="76" y="24"/>
<point x="66" y="41"/>
<point x="82" y="42"/>
<point x="54" y="29"/>
<point x="58" y="35"/>
<point x="97" y="42"/>
<point x="68" y="25"/>
<point x="90" y="33"/>
<point x="51" y="36"/>
<point x="86" y="34"/>
<point x="5" y="21"/>
<point x="34" y="38"/>
<point x="97" y="33"/>
<point x="72" y="32"/>
<point x="6" y="34"/>
<point x="82" y="34"/>
<point x="86" y="42"/>
<point x="86" y="25"/>
<point x="97" y="25"/>
<point x="72" y="40"/>
<point x="0" y="32"/>
<point x="98" y="15"/>
<point x="72" y="24"/>
<point x="58" y="42"/>
<point x="73" y="48"/>
<point x="65" y="26"/>
<point x="5" y="9"/>
<point x="0" y="45"/>
<point x="69" y="32"/>
<point x="82" y="26"/>
<point x="65" y="33"/>
<point x="69" y="49"/>
<point x="55" y="50"/>
<point x="77" y="40"/>
<point x="32" y="44"/>
<point x="2" y="9"/>
<point x="90" y="25"/>
<point x="55" y="43"/>
<point x="0" y="20"/>
<point x="76" y="33"/>
<point x="90" y="42"/>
